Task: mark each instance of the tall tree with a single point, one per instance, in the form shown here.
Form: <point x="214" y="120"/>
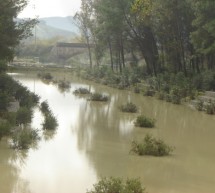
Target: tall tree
<point x="141" y="23"/>
<point x="111" y="24"/>
<point x="203" y="37"/>
<point x="83" y="20"/>
<point x="11" y="29"/>
<point x="173" y="27"/>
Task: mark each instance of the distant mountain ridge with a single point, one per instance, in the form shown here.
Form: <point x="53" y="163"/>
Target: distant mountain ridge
<point x="63" y="23"/>
<point x="51" y="27"/>
<point x="44" y="31"/>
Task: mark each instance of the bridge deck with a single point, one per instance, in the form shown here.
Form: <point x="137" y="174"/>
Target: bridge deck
<point x="71" y="45"/>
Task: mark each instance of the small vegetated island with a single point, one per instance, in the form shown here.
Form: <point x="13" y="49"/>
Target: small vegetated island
<point x="50" y="121"/>
<point x="151" y="146"/>
<point x="143" y="121"/>
<point x="117" y="185"/>
<point x="98" y="97"/>
<point x="81" y="91"/>
<point x="129" y="107"/>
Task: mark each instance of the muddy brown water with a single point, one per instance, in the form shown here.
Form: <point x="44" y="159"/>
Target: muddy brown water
<point x="93" y="141"/>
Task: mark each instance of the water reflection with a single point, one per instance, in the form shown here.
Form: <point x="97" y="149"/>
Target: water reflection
<point x="10" y="163"/>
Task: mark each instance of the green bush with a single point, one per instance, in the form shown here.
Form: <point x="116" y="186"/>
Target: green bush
<point x="25" y="97"/>
<point x="64" y="84"/>
<point x="44" y="107"/>
<point x="151" y="146"/>
<point x="199" y="105"/>
<point x="175" y="94"/>
<point x="24" y="116"/>
<point x="143" y="121"/>
<point x="116" y="185"/>
<point x="149" y="92"/>
<point x="168" y="98"/>
<point x="98" y="97"/>
<point x="10" y="117"/>
<point x="161" y="95"/>
<point x="128" y="107"/>
<point x="81" y="91"/>
<point x="136" y="90"/>
<point x="22" y="139"/>
<point x="210" y="108"/>
<point x="50" y="122"/>
<point x="45" y="76"/>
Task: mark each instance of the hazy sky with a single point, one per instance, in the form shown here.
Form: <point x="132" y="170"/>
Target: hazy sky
<point x="50" y="8"/>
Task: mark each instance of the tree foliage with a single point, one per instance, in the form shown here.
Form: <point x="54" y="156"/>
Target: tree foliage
<point x="116" y="185"/>
<point x="171" y="35"/>
<point x="12" y="30"/>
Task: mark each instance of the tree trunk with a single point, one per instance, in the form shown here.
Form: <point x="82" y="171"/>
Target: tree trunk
<point x="122" y="51"/>
<point x="111" y="53"/>
<point x="89" y="52"/>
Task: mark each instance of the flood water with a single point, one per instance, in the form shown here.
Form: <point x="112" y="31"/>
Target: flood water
<point x="93" y="141"/>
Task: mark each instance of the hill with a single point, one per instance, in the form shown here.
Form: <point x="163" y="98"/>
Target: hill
<point x="51" y="27"/>
<point x="45" y="31"/>
<point x="63" y="23"/>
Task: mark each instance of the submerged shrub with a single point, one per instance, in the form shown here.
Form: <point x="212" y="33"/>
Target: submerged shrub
<point x="10" y="117"/>
<point x="81" y="91"/>
<point x="149" y="92"/>
<point x="98" y="97"/>
<point x="50" y="122"/>
<point x="116" y="185"/>
<point x="168" y="98"/>
<point x="24" y="116"/>
<point x="175" y="94"/>
<point x="45" y="76"/>
<point x="25" y="97"/>
<point x="161" y="95"/>
<point x="44" y="107"/>
<point x="143" y="121"/>
<point x="128" y="107"/>
<point x="199" y="105"/>
<point x="64" y="85"/>
<point x="22" y="139"/>
<point x="151" y="146"/>
<point x="136" y="90"/>
<point x="210" y="108"/>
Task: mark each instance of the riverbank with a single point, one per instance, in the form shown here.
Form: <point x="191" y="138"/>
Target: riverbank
<point x="176" y="89"/>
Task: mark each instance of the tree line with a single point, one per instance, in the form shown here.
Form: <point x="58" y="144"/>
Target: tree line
<point x="171" y="35"/>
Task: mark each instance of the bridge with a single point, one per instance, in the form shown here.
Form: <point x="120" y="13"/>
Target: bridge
<point x="65" y="51"/>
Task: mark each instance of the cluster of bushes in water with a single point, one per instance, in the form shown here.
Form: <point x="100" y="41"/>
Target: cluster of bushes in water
<point x="47" y="76"/>
<point x="106" y="76"/>
<point x="117" y="185"/>
<point x="151" y="146"/>
<point x="95" y="96"/>
<point x="50" y="121"/>
<point x="143" y="121"/>
<point x="98" y="97"/>
<point x="82" y="91"/>
<point x="207" y="106"/>
<point x="15" y="123"/>
<point x="129" y="107"/>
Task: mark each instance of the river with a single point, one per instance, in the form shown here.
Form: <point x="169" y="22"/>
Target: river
<point x="93" y="141"/>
